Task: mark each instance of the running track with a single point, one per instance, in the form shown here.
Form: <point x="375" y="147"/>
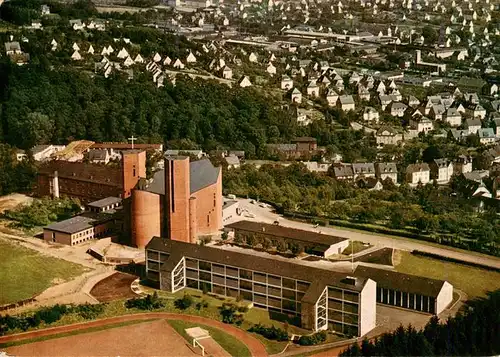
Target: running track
<point x="254" y="345"/>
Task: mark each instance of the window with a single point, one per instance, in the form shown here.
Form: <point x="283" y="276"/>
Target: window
<point x="247" y="295"/>
<point x="259" y="288"/>
<point x="232" y="282"/>
<point x="220" y="290"/>
<point x="274" y="302"/>
<point x="289" y="305"/>
<point x="352" y="308"/>
<point x="391" y="297"/>
<point x="289" y="294"/>
<point x="260" y="299"/>
<point x="219" y="269"/>
<point x="245" y="274"/>
<point x="289" y="283"/>
<point x="205" y="276"/>
<point x="205" y="266"/>
<point x="231" y="272"/>
<point x="260" y="277"/>
<point x="335" y="304"/>
<point x="133" y="173"/>
<point x="405" y="300"/>
<point x="205" y="286"/>
<point x="208" y="219"/>
<point x="247" y="285"/>
<point x="217" y="279"/>
<point x="274" y="291"/>
<point x="192" y="263"/>
<point x="152" y="255"/>
<point x="334" y="293"/>
<point x="350" y="296"/>
<point x="192" y="283"/>
<point x="274" y="280"/>
<point x="425" y="305"/>
<point x="192" y="273"/>
<point x="335" y="315"/>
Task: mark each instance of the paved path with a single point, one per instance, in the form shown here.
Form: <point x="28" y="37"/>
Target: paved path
<point x="254" y="345"/>
<point x="265" y="215"/>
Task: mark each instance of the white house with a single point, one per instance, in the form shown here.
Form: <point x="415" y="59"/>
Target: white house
<point x="90" y="50"/>
<point x="421" y="124"/>
<point x="370" y="114"/>
<point x="227" y="73"/>
<point x="138" y="59"/>
<point x="271" y="69"/>
<point x="157" y="57"/>
<point x="286" y="82"/>
<point x="167" y="61"/>
<point x="346" y="102"/>
<point x="453" y="117"/>
<point x="244" y="82"/>
<point x="191" y="58"/>
<point x="128" y="62"/>
<point x="441" y="170"/>
<point x="473" y="125"/>
<point x="418" y="173"/>
<point x="397" y="109"/>
<point x="178" y="64"/>
<point x="313" y="89"/>
<point x="76" y="56"/>
<point x="296" y="96"/>
<point x="331" y="96"/>
<point x="252" y="57"/>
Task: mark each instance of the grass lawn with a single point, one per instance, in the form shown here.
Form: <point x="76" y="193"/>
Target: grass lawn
<point x="474" y="282"/>
<point x="231" y="344"/>
<point x="355" y="247"/>
<point x="25" y="272"/>
<point x="73" y="333"/>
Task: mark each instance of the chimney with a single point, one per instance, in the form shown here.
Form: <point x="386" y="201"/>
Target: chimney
<point x="55" y="185"/>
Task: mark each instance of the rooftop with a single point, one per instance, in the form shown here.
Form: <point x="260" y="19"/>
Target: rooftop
<point x="286" y="232"/>
<point x="105" y="202"/>
<point x="262" y="264"/>
<point x="72" y="225"/>
<point x="403" y="282"/>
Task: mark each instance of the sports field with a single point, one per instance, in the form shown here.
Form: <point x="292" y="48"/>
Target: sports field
<point x="154" y="338"/>
<point x="25" y="272"/>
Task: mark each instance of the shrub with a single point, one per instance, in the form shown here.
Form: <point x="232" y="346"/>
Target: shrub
<point x="201" y="305"/>
<point x="271" y="333"/>
<point x="184" y="303"/>
<point x="89" y="311"/>
<point x="314" y="339"/>
<point x="150" y="302"/>
<point x="230" y="314"/>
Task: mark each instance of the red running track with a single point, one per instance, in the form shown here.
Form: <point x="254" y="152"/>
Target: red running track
<point x="256" y="347"/>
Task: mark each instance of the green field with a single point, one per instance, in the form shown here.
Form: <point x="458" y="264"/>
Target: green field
<point x="25" y="272"/>
<point x="355" y="247"/>
<point x="231" y="344"/>
<point x="475" y="282"/>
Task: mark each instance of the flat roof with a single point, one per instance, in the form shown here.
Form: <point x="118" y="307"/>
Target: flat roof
<point x="286" y="232"/>
<point x="72" y="225"/>
<point x="413" y="284"/>
<point x="105" y="202"/>
<point x="257" y="263"/>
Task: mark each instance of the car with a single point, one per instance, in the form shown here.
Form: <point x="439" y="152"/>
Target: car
<point x="263" y="205"/>
<point x="276" y="223"/>
<point x="249" y="215"/>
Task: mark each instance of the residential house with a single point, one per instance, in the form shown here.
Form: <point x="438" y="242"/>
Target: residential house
<point x="463" y="164"/>
<point x="346" y="102"/>
<point x="232" y="161"/>
<point x="76" y="56"/>
<point x="370" y="114"/>
<point x="385" y="100"/>
<point x="98" y="156"/>
<point x="305" y="144"/>
<point x="486" y="136"/>
<point x="331" y="96"/>
<point x="413" y="101"/>
<point x="343" y="172"/>
<point x="418" y="173"/>
<point x="473" y="125"/>
<point x="386" y="170"/>
<point x="363" y="93"/>
<point x="437" y="112"/>
<point x="286" y="82"/>
<point x="397" y="109"/>
<point x="244" y="82"/>
<point x="45" y="9"/>
<point x="458" y="135"/>
<point x="77" y="24"/>
<point x="296" y="96"/>
<point x="252" y="57"/>
<point x="177" y="64"/>
<point x="44" y="152"/>
<point x="472" y="98"/>
<point x="421" y="124"/>
<point x="191" y="58"/>
<point x="479" y="112"/>
<point x="12" y="48"/>
<point x="496" y="125"/>
<point x="441" y="170"/>
<point x="388" y="136"/>
<point x="227" y="73"/>
<point x="363" y="170"/>
<point x="453" y="117"/>
<point x="271" y="69"/>
<point x="313" y="89"/>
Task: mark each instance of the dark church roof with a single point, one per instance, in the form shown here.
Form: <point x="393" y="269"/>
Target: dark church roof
<point x="202" y="173"/>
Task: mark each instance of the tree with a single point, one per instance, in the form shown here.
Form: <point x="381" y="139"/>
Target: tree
<point x="184" y="303"/>
<point x="430" y="35"/>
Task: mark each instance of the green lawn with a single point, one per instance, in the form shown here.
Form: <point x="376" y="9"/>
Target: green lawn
<point x="355" y="247"/>
<point x="231" y="344"/>
<point x="25" y="272"/>
<point x="474" y="282"/>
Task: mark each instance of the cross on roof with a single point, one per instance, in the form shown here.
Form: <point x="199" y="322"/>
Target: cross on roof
<point x="132" y="139"/>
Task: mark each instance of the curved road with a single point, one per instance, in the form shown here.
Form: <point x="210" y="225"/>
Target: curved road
<point x="254" y="345"/>
<point x="265" y="215"/>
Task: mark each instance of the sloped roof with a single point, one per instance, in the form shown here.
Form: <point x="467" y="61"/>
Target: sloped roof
<point x="202" y="174"/>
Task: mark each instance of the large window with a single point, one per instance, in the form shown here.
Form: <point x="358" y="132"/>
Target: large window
<point x="205" y="266"/>
<point x="247" y="295"/>
<point x="164" y="257"/>
<point x="350" y="296"/>
<point x="289" y="294"/>
<point x="219" y="269"/>
<point x="289" y="283"/>
<point x="245" y="274"/>
<point x="205" y="276"/>
<point x="303" y="286"/>
<point x="153" y="265"/>
<point x="153" y="255"/>
<point x="405" y="300"/>
<point x="220" y="290"/>
<point x="192" y="283"/>
<point x="335" y="304"/>
<point x="260" y="299"/>
<point x="352" y="308"/>
<point x="289" y="305"/>
<point x="335" y="293"/>
<point x="232" y="282"/>
<point x="217" y="279"/>
<point x="274" y="291"/>
<point x="259" y="288"/>
<point x="231" y="272"/>
<point x="274" y="280"/>
<point x="335" y="315"/>
<point x="192" y="263"/>
<point x="192" y="273"/>
<point x="247" y="285"/>
<point x="261" y="278"/>
<point x="274" y="302"/>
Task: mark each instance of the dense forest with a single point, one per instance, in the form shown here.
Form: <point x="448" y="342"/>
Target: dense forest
<point x="472" y="332"/>
<point x="444" y="215"/>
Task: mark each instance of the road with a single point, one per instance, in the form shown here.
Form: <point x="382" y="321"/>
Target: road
<point x="264" y="214"/>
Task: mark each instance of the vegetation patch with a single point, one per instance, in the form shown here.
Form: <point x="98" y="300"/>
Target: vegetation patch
<point x="382" y="256"/>
<point x="475" y="282"/>
<point x="25" y="272"/>
<point x="231" y="344"/>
